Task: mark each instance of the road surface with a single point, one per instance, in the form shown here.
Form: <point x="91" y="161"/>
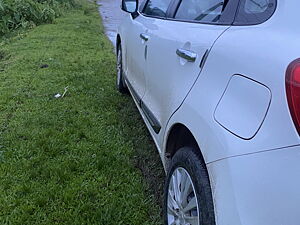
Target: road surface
<point x="111" y="17"/>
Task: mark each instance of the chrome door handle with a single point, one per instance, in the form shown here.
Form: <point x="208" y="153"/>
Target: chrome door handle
<point x="145" y="37"/>
<point x="186" y="54"/>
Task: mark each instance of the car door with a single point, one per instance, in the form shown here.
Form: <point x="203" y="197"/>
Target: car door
<point x="134" y="66"/>
<point x="176" y="52"/>
<point x="136" y="34"/>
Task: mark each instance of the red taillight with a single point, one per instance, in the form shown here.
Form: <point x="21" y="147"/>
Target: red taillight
<point x="292" y="82"/>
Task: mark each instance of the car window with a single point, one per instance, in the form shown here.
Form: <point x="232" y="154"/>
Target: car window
<point x="256" y="6"/>
<point x="157" y="8"/>
<point x="208" y="11"/>
<point x="254" y="11"/>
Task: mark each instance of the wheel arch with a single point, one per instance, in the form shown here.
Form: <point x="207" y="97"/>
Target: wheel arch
<point x="180" y="136"/>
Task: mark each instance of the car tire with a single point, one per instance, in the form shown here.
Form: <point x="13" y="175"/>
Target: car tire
<point x="188" y="173"/>
<point x="121" y="85"/>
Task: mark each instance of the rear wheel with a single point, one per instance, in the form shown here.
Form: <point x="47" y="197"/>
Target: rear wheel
<point x="121" y="86"/>
<point x="188" y="198"/>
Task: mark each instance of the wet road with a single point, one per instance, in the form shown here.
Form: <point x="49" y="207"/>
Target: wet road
<point x="111" y="16"/>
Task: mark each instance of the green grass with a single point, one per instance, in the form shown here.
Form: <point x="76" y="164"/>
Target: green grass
<point x="82" y="159"/>
<point x="22" y="14"/>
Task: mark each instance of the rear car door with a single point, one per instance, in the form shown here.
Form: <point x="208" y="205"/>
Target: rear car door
<point x="176" y="51"/>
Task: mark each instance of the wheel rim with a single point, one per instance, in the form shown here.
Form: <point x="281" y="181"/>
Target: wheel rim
<point x="182" y="205"/>
<point x="119" y="67"/>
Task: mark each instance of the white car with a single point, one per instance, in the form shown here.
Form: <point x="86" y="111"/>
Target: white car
<point x="217" y="83"/>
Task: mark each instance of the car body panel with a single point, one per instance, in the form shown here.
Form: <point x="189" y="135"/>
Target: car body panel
<point x="258" y="188"/>
<point x="133" y="54"/>
<point x="267" y="66"/>
<point x="170" y="77"/>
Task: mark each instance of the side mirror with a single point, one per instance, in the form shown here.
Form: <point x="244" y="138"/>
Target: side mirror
<point x="130" y="6"/>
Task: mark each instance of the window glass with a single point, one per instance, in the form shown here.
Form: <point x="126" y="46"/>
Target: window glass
<point x="157" y="8"/>
<point x="254" y="11"/>
<point x="256" y="6"/>
<point x="201" y="10"/>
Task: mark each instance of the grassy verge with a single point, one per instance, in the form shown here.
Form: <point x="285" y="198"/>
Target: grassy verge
<point x="22" y="14"/>
<point x="81" y="159"/>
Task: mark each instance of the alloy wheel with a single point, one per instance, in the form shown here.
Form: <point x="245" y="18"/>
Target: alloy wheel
<point x="182" y="205"/>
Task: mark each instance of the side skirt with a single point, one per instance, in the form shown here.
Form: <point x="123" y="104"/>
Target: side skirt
<point x="154" y="123"/>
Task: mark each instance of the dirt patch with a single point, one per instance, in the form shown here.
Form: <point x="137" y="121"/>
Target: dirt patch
<point x="146" y="157"/>
<point x="147" y="160"/>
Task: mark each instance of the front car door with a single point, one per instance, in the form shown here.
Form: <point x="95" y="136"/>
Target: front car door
<point x="177" y="49"/>
<point x="135" y="38"/>
<point x="133" y="48"/>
